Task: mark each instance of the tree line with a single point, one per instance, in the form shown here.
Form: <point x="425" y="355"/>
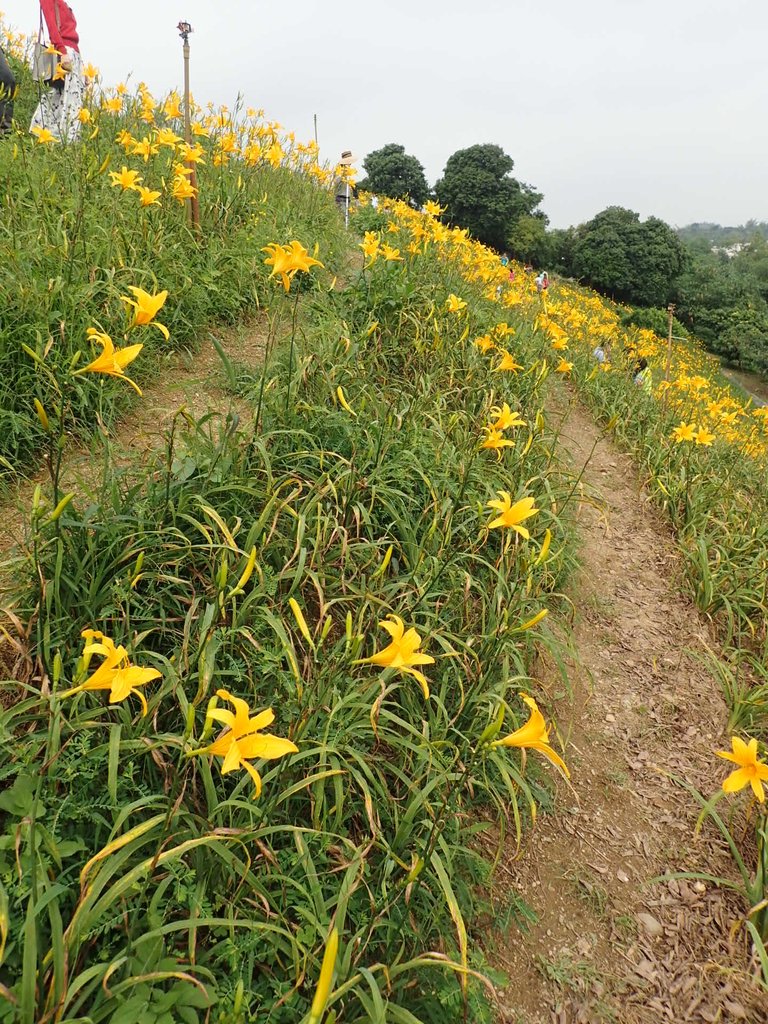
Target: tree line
<point x="716" y="276"/>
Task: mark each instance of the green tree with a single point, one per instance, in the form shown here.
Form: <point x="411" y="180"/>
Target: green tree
<point x="390" y="171"/>
<point x="479" y="193"/>
<point x="633" y="261"/>
<point x="528" y="241"/>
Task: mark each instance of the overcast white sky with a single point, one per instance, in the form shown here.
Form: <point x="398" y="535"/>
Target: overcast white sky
<point x="658" y="105"/>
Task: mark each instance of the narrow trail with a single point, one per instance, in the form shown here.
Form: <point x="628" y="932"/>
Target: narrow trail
<point x="195" y="380"/>
<point x="609" y="946"/>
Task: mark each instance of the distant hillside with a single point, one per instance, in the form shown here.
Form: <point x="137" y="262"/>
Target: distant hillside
<point x="717" y="235"/>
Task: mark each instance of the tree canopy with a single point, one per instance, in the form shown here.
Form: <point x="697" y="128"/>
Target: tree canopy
<point x="479" y="193"/>
<point x="390" y="171"/>
<point x="632" y="260"/>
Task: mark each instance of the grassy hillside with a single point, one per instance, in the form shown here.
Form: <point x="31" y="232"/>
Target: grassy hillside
<point x="266" y="692"/>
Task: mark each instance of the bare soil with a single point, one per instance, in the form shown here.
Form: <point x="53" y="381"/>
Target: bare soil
<point x="610" y="944"/>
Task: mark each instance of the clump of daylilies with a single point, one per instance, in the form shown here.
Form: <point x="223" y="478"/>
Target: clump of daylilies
<point x="287" y="260"/>
<point x="113" y="361"/>
<point x="503" y="419"/>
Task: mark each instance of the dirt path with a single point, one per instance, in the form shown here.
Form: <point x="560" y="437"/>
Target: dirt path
<point x="607" y="945"/>
<point x="196" y="381"/>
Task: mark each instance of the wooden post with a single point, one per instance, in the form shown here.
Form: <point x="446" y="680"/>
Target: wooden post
<point x="315" y="120"/>
<point x="194" y="207"/>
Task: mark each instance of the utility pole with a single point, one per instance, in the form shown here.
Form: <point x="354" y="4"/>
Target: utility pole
<point x="185" y="30"/>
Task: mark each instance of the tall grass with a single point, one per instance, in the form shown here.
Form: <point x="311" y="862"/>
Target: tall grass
<point x="71" y="241"/>
<point x="139" y="881"/>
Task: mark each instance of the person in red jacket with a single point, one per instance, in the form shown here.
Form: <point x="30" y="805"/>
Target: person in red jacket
<point x="61" y="103"/>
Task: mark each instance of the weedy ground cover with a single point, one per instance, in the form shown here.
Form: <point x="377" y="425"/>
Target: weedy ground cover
<point x="229" y="792"/>
<point x="261" y="704"/>
<point x="82" y="223"/>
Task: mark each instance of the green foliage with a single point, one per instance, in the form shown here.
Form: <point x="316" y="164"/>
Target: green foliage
<point x="528" y="241"/>
<point x="633" y="261"/>
<point x="208" y="900"/>
<point x="479" y="194"/>
<point x="656" y="320"/>
<point x="71" y="243"/>
<point x="390" y="171"/>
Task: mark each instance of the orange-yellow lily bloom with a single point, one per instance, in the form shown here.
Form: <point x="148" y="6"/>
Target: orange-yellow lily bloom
<point x="512" y="515"/>
<point x="534" y="735"/>
<point x="402" y="653"/>
<point x="112" y="361"/>
<point x="242" y="741"/>
<point x="115" y="673"/>
<point x="751" y="771"/>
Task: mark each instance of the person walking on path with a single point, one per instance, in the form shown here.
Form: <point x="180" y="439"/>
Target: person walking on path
<point x="342" y="187"/>
<point x="60" y="103"/>
<point x="7" y="93"/>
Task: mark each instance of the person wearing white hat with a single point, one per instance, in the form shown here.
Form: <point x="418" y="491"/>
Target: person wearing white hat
<point x="341" y="184"/>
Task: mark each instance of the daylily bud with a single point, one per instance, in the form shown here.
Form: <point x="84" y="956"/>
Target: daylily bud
<point x="41" y="415"/>
<point x="61" y="506"/>
<point x="491" y="730"/>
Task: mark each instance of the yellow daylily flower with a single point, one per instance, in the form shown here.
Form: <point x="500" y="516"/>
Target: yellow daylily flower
<point x="390" y="254"/>
<point x="402" y="653"/>
<point x="454" y="304"/>
<point x="751" y="771"/>
<point x="172" y="106"/>
<point x="508" y="363"/>
<point x="146" y="148"/>
<point x="371" y="246"/>
<point x="684" y="432"/>
<point x="432" y="208"/>
<point x="148" y="196"/>
<point x="280" y="262"/>
<point x="485" y="343"/>
<point x="505" y="418"/>
<point x="704" y="436"/>
<point x="182" y="189"/>
<point x="113" y="105"/>
<point x="167" y="137"/>
<point x="242" y="741"/>
<point x="146" y="307"/>
<point x="287" y="260"/>
<point x="125" y="179"/>
<point x="43" y="136"/>
<point x="563" y="366"/>
<point x="534" y="735"/>
<point x="496" y="441"/>
<point x="112" y="361"/>
<point x="115" y="673"/>
<point x="512" y="515"/>
<point x="300" y="258"/>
